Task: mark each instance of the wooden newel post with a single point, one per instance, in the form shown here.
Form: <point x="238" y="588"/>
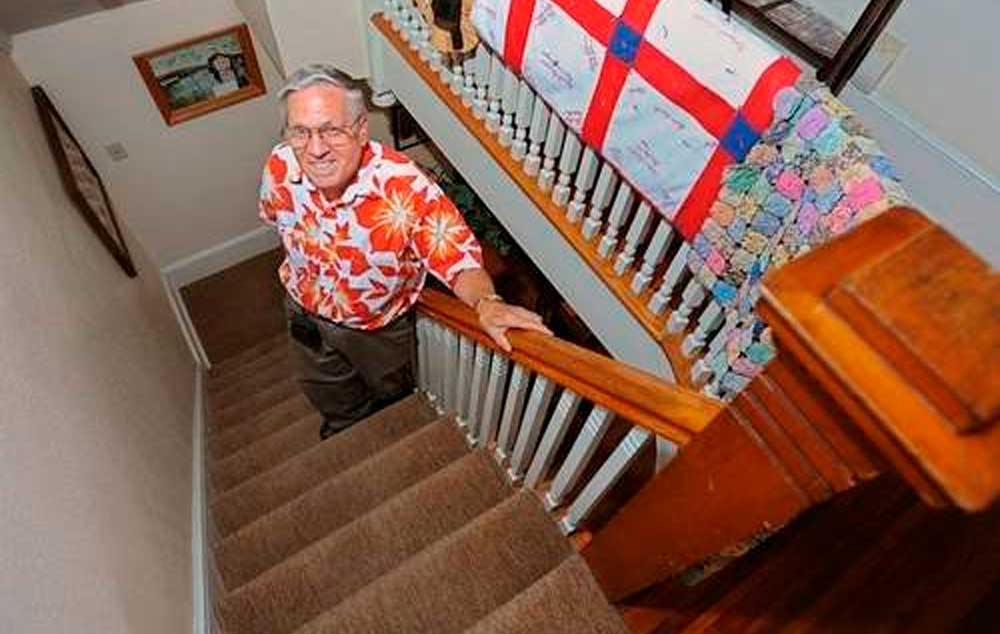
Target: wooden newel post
<point x="889" y="358"/>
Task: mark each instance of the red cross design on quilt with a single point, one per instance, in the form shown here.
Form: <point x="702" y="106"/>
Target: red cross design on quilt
<point x="671" y="92"/>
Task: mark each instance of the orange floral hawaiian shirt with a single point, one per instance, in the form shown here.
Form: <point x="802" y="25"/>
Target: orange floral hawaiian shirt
<point x="361" y="260"/>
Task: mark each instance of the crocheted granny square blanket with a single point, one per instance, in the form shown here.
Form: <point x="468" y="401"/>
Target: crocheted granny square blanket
<point x="815" y="174"/>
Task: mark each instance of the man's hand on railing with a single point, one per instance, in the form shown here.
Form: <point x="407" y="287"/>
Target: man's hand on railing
<point x="496" y="317"/>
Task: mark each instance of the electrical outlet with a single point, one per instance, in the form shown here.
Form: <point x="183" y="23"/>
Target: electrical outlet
<point x="116" y="151"/>
<point x="877" y="63"/>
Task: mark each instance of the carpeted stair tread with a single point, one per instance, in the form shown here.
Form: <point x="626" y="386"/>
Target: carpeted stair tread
<point x="457" y="581"/>
<point x="272" y="372"/>
<point x="565" y="601"/>
<point x="334" y="502"/>
<point x="252" y="405"/>
<point x="316" y="579"/>
<point x="250" y="370"/>
<point x="229" y="364"/>
<point x="266" y="422"/>
<point x="269" y="490"/>
<point x="265" y="453"/>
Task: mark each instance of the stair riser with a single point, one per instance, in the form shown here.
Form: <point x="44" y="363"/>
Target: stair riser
<point x="265" y="453"/>
<point x="252" y="405"/>
<point x="229" y="441"/>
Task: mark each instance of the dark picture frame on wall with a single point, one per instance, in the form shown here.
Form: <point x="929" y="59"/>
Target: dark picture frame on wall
<point x="203" y="74"/>
<point x="82" y="182"/>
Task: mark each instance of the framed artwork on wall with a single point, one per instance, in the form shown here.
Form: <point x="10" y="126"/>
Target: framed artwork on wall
<point x="82" y="182"/>
<point x="203" y="74"/>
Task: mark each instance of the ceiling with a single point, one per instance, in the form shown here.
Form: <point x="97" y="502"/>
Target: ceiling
<point x="24" y="15"/>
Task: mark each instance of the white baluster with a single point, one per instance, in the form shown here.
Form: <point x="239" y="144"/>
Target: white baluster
<point x="568" y="161"/>
<point x="692" y="297"/>
<point x="451" y="370"/>
<point x="493" y="402"/>
<point x="525" y="103"/>
<point x="536" y="135"/>
<point x="508" y="103"/>
<point x="480" y="370"/>
<point x="479" y="104"/>
<point x="495" y="92"/>
<point x="437" y="367"/>
<point x="517" y="391"/>
<point x="655" y="253"/>
<point x="555" y="431"/>
<point x="583" y="450"/>
<point x="636" y="234"/>
<point x="710" y="319"/>
<point x="469" y="83"/>
<point x="702" y="369"/>
<point x="466" y="353"/>
<point x="457" y="79"/>
<point x="553" y="145"/>
<point x="605" y="478"/>
<point x="531" y="427"/>
<point x="423" y="359"/>
<point x="602" y="196"/>
<point x="424" y="43"/>
<point x="623" y="201"/>
<point x="585" y="175"/>
<point x="673" y="275"/>
<point x="393" y="12"/>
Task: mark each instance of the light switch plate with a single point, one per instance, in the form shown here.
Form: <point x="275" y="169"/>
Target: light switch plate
<point x="116" y="151"/>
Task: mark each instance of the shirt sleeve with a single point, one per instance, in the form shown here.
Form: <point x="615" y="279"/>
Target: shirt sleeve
<point x="443" y="240"/>
<point x="274" y="193"/>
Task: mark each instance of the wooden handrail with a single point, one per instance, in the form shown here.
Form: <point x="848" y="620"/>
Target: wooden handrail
<point x="665" y="409"/>
<point x="889" y="359"/>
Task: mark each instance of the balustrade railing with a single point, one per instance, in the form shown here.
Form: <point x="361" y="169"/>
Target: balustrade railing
<point x="625" y="240"/>
<point x="543" y="410"/>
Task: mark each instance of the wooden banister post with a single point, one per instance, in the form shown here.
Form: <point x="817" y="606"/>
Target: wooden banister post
<point x="889" y="358"/>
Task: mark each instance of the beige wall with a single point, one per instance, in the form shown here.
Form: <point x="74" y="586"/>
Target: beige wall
<point x="95" y="414"/>
<point x="184" y="188"/>
<point x="320" y="31"/>
<point x="946" y="77"/>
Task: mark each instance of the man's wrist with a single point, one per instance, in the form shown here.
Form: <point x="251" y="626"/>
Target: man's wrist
<point x="492" y="297"/>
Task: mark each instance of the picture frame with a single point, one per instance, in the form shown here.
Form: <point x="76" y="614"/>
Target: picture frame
<point x="203" y="74"/>
<point x="82" y="182"/>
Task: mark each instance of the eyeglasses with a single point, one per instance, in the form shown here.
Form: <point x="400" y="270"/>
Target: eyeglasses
<point x="333" y="136"/>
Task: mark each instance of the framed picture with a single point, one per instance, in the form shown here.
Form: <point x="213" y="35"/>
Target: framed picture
<point x="82" y="182"/>
<point x="197" y="76"/>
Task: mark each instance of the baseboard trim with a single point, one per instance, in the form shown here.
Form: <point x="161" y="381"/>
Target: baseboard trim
<point x="203" y="264"/>
<point x="221" y="256"/>
<point x="200" y="599"/>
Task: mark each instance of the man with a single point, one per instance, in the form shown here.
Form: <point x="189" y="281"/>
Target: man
<point x="361" y="227"/>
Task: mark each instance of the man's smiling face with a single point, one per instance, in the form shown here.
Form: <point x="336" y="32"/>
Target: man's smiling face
<point x="330" y="166"/>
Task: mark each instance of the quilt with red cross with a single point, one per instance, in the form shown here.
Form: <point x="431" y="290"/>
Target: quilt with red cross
<point x="671" y="92"/>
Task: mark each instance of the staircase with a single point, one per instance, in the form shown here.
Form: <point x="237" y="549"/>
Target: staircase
<point x="394" y="525"/>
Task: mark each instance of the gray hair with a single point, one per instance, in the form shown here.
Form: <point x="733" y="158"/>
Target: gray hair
<point x="324" y="74"/>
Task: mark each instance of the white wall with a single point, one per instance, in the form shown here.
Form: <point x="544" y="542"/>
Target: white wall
<point x="320" y="31"/>
<point x="257" y="16"/>
<point x="938" y="110"/>
<point x="95" y="414"/>
<point x="183" y="188"/>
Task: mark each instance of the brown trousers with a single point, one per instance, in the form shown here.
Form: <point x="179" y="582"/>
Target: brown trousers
<point x="348" y="374"/>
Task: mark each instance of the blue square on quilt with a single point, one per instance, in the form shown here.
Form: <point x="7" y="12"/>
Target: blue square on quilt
<point x="740" y="139"/>
<point x="624" y="43"/>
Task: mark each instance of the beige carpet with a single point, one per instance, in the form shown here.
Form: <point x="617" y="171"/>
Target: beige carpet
<point x="393" y="526"/>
